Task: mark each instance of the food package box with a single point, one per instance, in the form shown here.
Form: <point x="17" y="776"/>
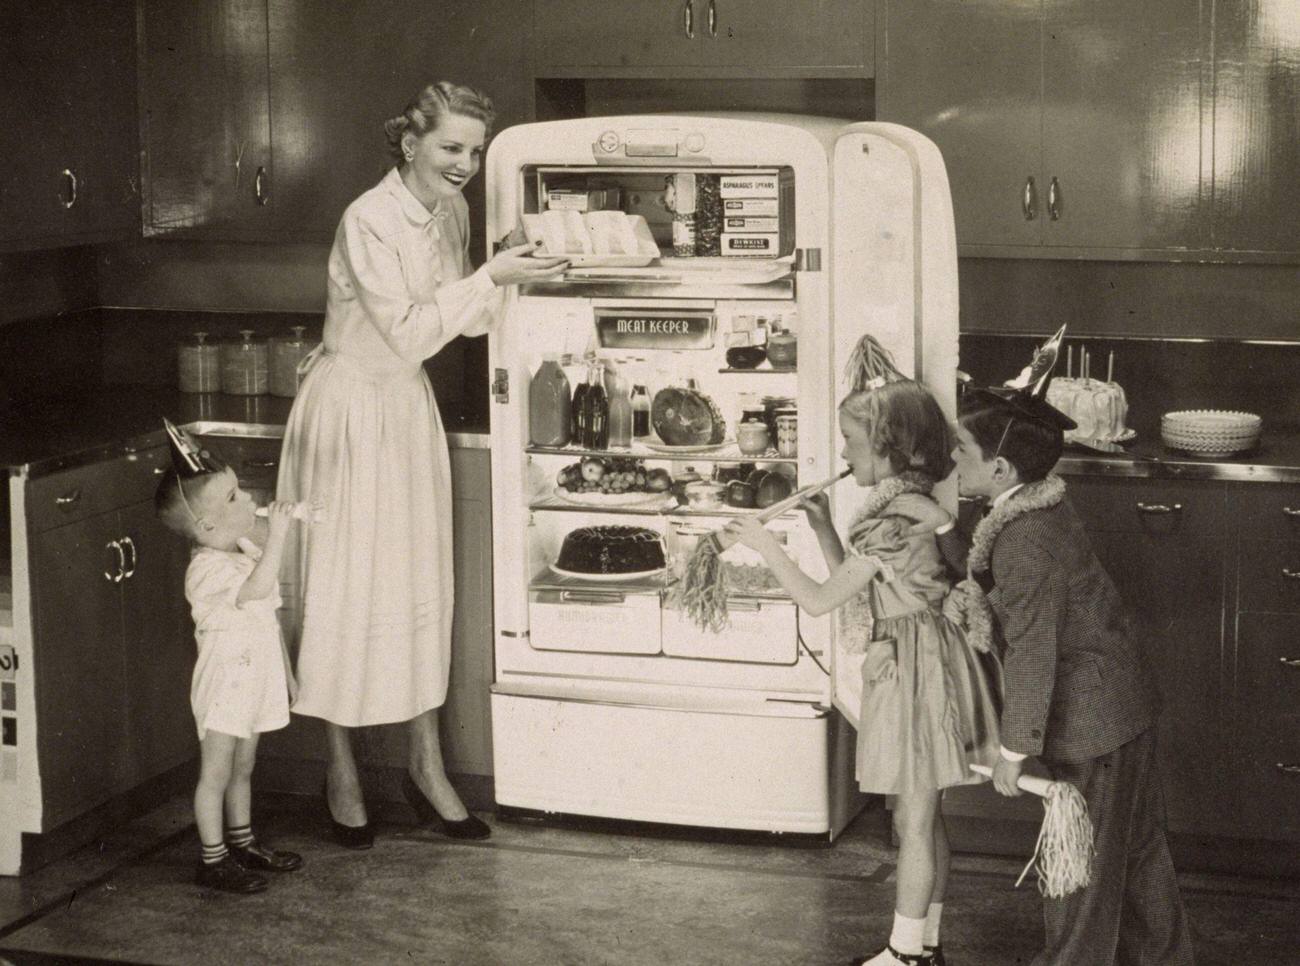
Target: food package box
<point x="750" y="186"/>
<point x="750" y="207"/>
<point x="595" y="199"/>
<point x="747" y="223"/>
<point x="750" y="243"/>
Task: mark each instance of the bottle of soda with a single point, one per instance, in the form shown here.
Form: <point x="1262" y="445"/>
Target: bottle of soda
<point x="640" y="412"/>
<point x="577" y="413"/>
<point x="595" y="405"/>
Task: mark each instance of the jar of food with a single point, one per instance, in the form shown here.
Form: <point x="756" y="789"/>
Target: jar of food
<point x="244" y="367"/>
<point x="783" y="350"/>
<point x="198" y="365"/>
<point x="287" y="351"/>
<point x="770" y="405"/>
<point x="704" y="495"/>
<point x="752" y="437"/>
<point x="787" y="433"/>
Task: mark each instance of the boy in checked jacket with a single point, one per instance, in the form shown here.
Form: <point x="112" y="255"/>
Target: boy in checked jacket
<point x="1077" y="693"/>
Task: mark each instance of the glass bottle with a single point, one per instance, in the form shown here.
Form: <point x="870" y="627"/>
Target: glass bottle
<point x="549" y="415"/>
<point x="640" y="412"/>
<point x="595" y="406"/>
<point x="578" y="425"/>
<point x="620" y="411"/>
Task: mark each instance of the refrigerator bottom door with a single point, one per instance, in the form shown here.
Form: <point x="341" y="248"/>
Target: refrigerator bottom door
<point x="594" y="621"/>
<point x="684" y="766"/>
<point x="757" y="632"/>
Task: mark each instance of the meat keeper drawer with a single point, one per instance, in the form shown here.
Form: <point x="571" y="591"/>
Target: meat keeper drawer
<point x="759" y="631"/>
<point x="594" y="620"/>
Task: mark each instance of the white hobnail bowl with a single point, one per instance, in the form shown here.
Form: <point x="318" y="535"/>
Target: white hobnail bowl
<point x="1209" y="444"/>
<point x="1211" y="421"/>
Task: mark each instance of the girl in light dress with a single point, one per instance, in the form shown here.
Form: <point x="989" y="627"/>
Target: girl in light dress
<point x="928" y="706"/>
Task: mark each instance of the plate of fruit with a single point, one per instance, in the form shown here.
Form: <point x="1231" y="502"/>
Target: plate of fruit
<point x="613" y="481"/>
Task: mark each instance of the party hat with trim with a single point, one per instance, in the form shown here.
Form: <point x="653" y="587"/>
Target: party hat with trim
<point x="189" y="459"/>
<point x="1025" y="396"/>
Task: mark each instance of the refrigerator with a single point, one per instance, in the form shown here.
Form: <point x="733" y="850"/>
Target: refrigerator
<point x="608" y="701"/>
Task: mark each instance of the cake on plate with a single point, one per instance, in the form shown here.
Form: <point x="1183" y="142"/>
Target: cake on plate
<point x="1099" y="408"/>
<point x="615" y="549"/>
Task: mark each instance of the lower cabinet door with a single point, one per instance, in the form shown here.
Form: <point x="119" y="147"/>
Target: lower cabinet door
<point x="1266" y="741"/>
<point x="79" y="666"/>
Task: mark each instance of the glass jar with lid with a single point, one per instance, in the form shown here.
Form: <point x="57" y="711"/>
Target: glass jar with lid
<point x="198" y="365"/>
<point x="244" y="367"/>
<point x="286" y="352"/>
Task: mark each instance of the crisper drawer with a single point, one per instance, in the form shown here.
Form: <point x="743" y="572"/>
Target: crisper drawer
<point x="85" y="491"/>
<point x="594" y="620"/>
<point x="759" y="631"/>
<point x="1189" y="507"/>
<point x="1266" y="511"/>
<point x="1270" y="576"/>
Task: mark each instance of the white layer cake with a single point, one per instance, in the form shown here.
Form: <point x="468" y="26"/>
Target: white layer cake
<point x="1099" y="408"/>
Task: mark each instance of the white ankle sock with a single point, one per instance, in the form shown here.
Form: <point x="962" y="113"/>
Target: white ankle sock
<point x="906" y="937"/>
<point x="930" y="936"/>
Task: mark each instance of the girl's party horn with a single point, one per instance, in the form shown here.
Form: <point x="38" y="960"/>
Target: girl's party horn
<point x="776" y="509"/>
<point x="1063" y="853"/>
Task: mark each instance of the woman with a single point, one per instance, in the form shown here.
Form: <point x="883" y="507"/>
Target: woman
<point x="373" y="586"/>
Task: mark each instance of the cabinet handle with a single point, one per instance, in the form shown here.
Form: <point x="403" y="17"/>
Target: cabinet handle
<point x="71" y="179"/>
<point x="1290" y="574"/>
<point x="121" y="561"/>
<point x="1290" y="661"/>
<point x="259" y="187"/>
<point x="713" y="18"/>
<point x="1054" y="200"/>
<point x="1029" y="200"/>
<point x="130" y="568"/>
<point x="1290" y="511"/>
<point x="68" y="499"/>
<point x="159" y="470"/>
<point x="1288" y="769"/>
<point x="1159" y="508"/>
<point x="262" y="464"/>
<point x="688" y="19"/>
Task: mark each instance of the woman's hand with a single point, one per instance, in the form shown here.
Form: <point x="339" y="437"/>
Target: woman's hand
<point x="818" y="509"/>
<point x="751" y="533"/>
<point x="516" y="266"/>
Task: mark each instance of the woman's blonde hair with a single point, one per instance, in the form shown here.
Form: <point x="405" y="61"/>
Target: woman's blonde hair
<point x="902" y="418"/>
<point x="428" y="108"/>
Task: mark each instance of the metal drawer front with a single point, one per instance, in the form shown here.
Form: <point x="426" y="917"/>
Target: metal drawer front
<point x="597" y="620"/>
<point x="1270" y="576"/>
<point x="1267" y="512"/>
<point x="760" y="631"/>
<point x="1188" y="508"/>
<point x="84" y="491"/>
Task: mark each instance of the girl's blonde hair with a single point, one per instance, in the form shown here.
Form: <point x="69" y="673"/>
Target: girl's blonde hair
<point x="433" y="103"/>
<point x="904" y="422"/>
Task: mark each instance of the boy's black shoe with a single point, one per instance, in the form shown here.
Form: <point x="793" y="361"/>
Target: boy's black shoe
<point x="936" y="955"/>
<point x="257" y="857"/>
<point x="229" y="876"/>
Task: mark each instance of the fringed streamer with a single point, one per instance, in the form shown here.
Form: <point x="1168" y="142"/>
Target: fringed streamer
<point x="870" y="366"/>
<point x="702" y="592"/>
<point x="1064" y="851"/>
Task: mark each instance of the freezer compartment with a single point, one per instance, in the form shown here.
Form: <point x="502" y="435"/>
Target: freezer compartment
<point x="744" y="764"/>
<point x="595" y="619"/>
<point x="758" y="631"/>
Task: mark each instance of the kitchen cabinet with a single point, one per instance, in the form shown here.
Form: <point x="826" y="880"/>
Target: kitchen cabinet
<point x="68" y="124"/>
<point x="1256" y="127"/>
<point x="112" y="648"/>
<point x="702" y="38"/>
<point x="205" y="119"/>
<point x="1068" y="130"/>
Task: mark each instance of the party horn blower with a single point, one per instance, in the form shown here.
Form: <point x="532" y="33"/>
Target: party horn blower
<point x="308" y="511"/>
<point x="1063" y="853"/>
<point x="714" y="541"/>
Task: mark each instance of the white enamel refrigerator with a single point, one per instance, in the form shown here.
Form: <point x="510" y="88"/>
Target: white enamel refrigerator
<point x="607" y="702"/>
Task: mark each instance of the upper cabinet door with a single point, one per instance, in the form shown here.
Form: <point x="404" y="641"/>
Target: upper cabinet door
<point x="204" y="114"/>
<point x="1122" y="124"/>
<point x="571" y="35"/>
<point x="1256" y="125"/>
<point x="779" y="36"/>
<point x="968" y="76"/>
<point x="68" y="123"/>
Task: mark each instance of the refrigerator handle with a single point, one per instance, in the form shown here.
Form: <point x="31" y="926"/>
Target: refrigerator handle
<point x="501" y="386"/>
<point x="808" y="259"/>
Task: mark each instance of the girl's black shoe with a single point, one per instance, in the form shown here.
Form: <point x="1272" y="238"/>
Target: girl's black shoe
<point x="467" y="828"/>
<point x="349" y="836"/>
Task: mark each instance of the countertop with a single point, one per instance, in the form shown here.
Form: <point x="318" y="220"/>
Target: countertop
<point x="55" y="434"/>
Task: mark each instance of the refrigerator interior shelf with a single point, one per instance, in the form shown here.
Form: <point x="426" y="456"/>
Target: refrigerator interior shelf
<point x="723" y="454"/>
<point x="673" y="511"/>
<point x="549" y="580"/>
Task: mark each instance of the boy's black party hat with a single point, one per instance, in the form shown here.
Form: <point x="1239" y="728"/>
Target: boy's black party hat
<point x="1025" y="397"/>
<point x="188" y="458"/>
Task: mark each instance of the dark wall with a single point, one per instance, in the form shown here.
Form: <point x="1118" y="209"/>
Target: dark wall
<point x="44" y="283"/>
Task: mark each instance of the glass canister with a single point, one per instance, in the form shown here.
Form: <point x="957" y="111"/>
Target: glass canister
<point x="787" y="432"/>
<point x="752" y="437"/>
<point x="286" y="351"/>
<point x="244" y="367"/>
<point x="198" y="365"/>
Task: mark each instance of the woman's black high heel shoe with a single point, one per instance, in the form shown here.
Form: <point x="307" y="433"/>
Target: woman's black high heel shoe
<point x="349" y="836"/>
<point x="467" y="828"/>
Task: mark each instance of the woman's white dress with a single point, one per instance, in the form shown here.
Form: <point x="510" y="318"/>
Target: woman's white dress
<point x="370" y="589"/>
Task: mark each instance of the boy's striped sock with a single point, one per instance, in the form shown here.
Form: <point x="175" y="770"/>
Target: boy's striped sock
<point x="212" y="854"/>
<point x="240" y="836"/>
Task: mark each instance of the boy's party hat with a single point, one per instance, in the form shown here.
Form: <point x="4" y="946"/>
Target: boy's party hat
<point x="1025" y="396"/>
<point x="188" y="458"/>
